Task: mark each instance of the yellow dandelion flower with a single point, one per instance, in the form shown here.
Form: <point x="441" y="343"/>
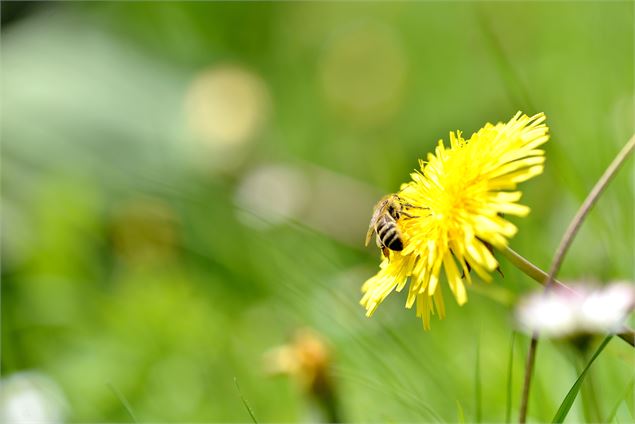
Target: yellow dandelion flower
<point x="457" y="201"/>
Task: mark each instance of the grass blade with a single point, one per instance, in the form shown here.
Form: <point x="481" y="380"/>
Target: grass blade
<point x="123" y="400"/>
<point x="477" y="380"/>
<point x="247" y="407"/>
<point x="515" y="88"/>
<point x="565" y="406"/>
<point x="404" y="396"/>
<point x="459" y="413"/>
<point x="510" y="368"/>
<point x="628" y="394"/>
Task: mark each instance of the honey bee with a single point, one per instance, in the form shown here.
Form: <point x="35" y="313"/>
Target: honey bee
<point x="384" y="223"/>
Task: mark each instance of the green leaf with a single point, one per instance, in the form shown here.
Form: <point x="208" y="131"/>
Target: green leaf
<point x="565" y="406"/>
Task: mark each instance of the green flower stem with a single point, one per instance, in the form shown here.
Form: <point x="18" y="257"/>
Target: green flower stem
<point x="529" y="269"/>
<point x="532" y="271"/>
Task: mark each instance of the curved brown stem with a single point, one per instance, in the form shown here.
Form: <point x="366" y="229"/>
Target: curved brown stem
<point x="564" y="245"/>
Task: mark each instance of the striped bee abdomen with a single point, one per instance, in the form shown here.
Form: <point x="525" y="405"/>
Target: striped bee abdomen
<point x="388" y="233"/>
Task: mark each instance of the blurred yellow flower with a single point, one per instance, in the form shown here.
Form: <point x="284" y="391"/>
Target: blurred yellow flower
<point x="458" y="200"/>
<point x="307" y="358"/>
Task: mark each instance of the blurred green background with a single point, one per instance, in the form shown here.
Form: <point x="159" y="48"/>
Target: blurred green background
<point x="186" y="184"/>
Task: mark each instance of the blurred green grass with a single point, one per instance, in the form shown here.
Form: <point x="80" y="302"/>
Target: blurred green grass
<point x="131" y="259"/>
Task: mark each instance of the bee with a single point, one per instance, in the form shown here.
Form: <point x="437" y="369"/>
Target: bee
<point x="384" y="223"/>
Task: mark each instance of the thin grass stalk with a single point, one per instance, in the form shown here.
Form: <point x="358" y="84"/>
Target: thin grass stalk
<point x="245" y="403"/>
<point x="563" y="247"/>
<point x="477" y="381"/>
<point x="529" y="369"/>
<point x="590" y="392"/>
<point x="123" y="400"/>
<point x="510" y="370"/>
<point x="627" y="394"/>
<point x="566" y="404"/>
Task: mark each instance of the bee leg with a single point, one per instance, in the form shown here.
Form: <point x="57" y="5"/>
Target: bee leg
<point x="411" y="206"/>
<point x="406" y="214"/>
<point x="385" y="251"/>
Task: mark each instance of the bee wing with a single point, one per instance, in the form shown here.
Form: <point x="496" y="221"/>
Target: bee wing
<point x="369" y="234"/>
<point x="372" y="227"/>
